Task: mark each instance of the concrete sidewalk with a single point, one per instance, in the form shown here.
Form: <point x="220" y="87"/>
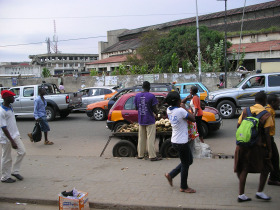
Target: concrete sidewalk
<point x="129" y="183"/>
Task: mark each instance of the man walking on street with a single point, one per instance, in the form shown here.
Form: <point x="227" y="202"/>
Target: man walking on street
<point x="145" y="103"/>
<point x="9" y="138"/>
<point x="255" y="158"/>
<point x="41" y="116"/>
<point x="273" y="104"/>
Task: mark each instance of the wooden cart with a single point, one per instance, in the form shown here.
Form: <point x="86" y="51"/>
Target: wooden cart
<point x="127" y="146"/>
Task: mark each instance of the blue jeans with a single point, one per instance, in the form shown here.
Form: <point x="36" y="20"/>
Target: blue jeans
<point x="186" y="158"/>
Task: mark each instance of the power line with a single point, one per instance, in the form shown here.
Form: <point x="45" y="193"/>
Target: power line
<point x="85" y="17"/>
<point x="63" y="40"/>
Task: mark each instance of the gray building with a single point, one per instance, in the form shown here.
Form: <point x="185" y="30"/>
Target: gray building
<point x="63" y="63"/>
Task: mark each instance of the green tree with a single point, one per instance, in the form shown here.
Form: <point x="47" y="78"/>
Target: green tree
<point x="182" y="41"/>
<point x="148" y="52"/>
<point x="93" y="72"/>
<point x="46" y="72"/>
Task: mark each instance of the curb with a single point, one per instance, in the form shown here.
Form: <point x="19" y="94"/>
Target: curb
<point x="94" y="205"/>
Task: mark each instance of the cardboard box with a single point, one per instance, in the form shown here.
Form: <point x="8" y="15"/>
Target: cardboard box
<point x="81" y="203"/>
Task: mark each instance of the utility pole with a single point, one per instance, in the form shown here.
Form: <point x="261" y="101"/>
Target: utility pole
<point x="225" y="41"/>
<point x="198" y="45"/>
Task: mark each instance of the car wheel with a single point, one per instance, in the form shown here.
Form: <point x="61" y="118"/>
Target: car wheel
<point x="205" y="129"/>
<point x="50" y="113"/>
<point x="119" y="125"/>
<point x="124" y="148"/>
<point x="166" y="149"/>
<point x="227" y="109"/>
<point x="98" y="114"/>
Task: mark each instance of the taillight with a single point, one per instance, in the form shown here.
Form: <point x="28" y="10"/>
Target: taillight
<point x="67" y="99"/>
<point x="109" y="115"/>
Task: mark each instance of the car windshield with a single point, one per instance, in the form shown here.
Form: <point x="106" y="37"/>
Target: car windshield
<point x="240" y="83"/>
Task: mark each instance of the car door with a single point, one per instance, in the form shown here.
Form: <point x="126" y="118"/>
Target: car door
<point x="96" y="95"/>
<point x="246" y="95"/>
<point x="129" y="111"/>
<point x="87" y="93"/>
<point x="273" y="84"/>
<point x="16" y="105"/>
<point x="27" y="100"/>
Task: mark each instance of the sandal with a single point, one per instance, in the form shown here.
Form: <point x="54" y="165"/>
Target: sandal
<point x="189" y="190"/>
<point x="48" y="143"/>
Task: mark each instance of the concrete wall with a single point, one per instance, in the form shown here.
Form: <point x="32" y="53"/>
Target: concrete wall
<point x="74" y="83"/>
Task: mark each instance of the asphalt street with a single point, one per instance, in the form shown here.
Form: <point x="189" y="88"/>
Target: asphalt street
<point x="77" y="135"/>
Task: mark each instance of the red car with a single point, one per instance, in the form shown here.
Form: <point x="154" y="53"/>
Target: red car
<point x="124" y="112"/>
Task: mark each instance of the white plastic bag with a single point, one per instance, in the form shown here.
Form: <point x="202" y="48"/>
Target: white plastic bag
<point x="200" y="150"/>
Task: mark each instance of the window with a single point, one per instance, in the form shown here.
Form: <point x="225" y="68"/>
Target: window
<point x="95" y="92"/>
<point x="16" y="91"/>
<point x="187" y="88"/>
<point x="129" y="105"/>
<point x="255" y="82"/>
<point x="274" y="80"/>
<point x="199" y="88"/>
<point x="85" y="92"/>
<point x="159" y="89"/>
<point x="28" y="92"/>
<point x="107" y="91"/>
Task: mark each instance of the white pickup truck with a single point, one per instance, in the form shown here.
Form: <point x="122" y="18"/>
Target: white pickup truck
<point x="57" y="103"/>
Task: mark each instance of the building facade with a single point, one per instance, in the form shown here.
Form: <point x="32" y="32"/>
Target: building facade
<point x="16" y="69"/>
<point x="62" y="63"/>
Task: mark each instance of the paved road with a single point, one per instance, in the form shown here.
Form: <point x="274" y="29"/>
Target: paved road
<point x="77" y="135"/>
<point x="73" y="162"/>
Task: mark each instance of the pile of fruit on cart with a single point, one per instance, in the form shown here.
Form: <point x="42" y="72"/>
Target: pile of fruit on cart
<point x="162" y="125"/>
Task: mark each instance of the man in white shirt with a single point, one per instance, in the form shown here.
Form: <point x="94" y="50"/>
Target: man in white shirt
<point x="9" y="138"/>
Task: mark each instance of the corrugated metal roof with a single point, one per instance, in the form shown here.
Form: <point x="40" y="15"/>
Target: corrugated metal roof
<point x="251" y="8"/>
<point x="250" y="25"/>
<point x="112" y="59"/>
<point x="123" y="45"/>
<point x="257" y="47"/>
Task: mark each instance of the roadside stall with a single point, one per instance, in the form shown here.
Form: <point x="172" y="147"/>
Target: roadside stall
<point x="128" y="135"/>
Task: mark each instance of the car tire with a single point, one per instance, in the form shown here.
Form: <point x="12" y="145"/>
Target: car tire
<point x="98" y="114"/>
<point x="50" y="113"/>
<point x="124" y="148"/>
<point x="227" y="109"/>
<point x="118" y="126"/>
<point x="205" y="129"/>
<point x="166" y="150"/>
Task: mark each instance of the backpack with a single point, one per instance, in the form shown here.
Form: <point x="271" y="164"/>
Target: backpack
<point x="221" y="77"/>
<point x="247" y="132"/>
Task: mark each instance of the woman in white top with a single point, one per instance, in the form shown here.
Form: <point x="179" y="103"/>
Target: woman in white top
<point x="61" y="87"/>
<point x="178" y="116"/>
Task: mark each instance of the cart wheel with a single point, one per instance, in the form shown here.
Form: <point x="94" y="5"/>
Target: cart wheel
<point x="166" y="149"/>
<point x="124" y="148"/>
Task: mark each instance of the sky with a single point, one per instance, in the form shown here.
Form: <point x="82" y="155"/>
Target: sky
<point x="85" y="22"/>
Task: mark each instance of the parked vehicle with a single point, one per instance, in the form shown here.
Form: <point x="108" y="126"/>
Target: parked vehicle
<point x="99" y="111"/>
<point x="184" y="90"/>
<point x="57" y="103"/>
<point x="95" y="94"/>
<point x="227" y="101"/>
<point x="124" y="112"/>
